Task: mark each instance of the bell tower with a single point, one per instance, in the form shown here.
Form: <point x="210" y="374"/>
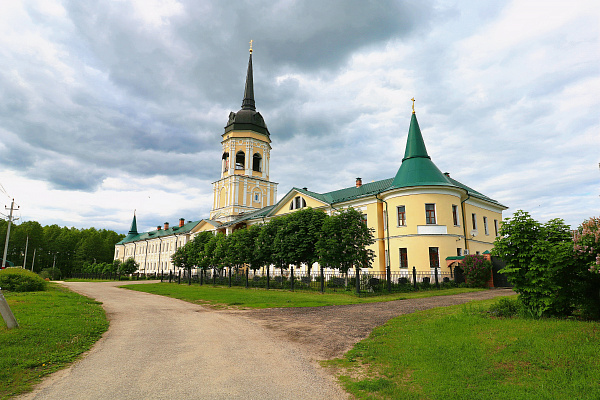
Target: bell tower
<point x="246" y="148"/>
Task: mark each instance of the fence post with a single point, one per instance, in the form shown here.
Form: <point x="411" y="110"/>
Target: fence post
<point x="389" y="277"/>
<point x="214" y="276"/>
<point x="179" y="278"/>
<point x="229" y="272"/>
<point x="267" y="277"/>
<point x="189" y="276"/>
<point x="170" y="276"/>
<point x="357" y="280"/>
<point x="437" y="283"/>
<point x="247" y="273"/>
<point x="292" y="277"/>
<point x="322" y="280"/>
<point x="414" y="276"/>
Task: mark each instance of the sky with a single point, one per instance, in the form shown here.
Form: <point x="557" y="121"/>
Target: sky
<point x="107" y="107"/>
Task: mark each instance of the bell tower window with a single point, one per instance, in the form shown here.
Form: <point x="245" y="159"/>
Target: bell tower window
<point x="256" y="162"/>
<point x="240" y="160"/>
<point x="225" y="159"/>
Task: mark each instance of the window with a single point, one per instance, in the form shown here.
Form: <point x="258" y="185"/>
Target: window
<point x="240" y="160"/>
<point x="401" y="215"/>
<point x="459" y="252"/>
<point x="257" y="196"/>
<point x="297" y="203"/>
<point x="430" y="214"/>
<point x="403" y="258"/>
<point x="474" y="220"/>
<point x="434" y="257"/>
<point x="225" y="159"/>
<point x="256" y="162"/>
<point x="496" y="226"/>
<point x="364" y="218"/>
<point x="455" y="215"/>
<point x="485" y="226"/>
<point x="385" y="220"/>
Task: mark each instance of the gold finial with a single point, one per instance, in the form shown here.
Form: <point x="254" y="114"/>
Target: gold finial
<point x="250" y="46"/>
<point x="413" y="100"/>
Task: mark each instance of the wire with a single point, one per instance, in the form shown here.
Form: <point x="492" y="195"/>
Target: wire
<point x="4" y="191"/>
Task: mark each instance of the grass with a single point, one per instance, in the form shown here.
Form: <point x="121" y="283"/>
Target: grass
<point x="55" y="327"/>
<point x="460" y="352"/>
<point x="236" y="297"/>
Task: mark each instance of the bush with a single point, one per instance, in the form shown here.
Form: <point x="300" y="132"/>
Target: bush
<point x="506" y="308"/>
<point x="21" y="280"/>
<point x="51" y="273"/>
<point x="477" y="270"/>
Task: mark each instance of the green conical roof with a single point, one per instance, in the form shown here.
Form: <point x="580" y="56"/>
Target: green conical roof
<point x="417" y="169"/>
<point x="133" y="229"/>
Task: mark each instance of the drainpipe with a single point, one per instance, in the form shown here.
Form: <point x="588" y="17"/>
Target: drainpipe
<point x="145" y="255"/>
<point x="462" y="208"/>
<point x="159" y="250"/>
<point x="389" y="255"/>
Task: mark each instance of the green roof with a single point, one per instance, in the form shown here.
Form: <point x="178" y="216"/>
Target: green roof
<point x="417" y="169"/>
<point x="176" y="230"/>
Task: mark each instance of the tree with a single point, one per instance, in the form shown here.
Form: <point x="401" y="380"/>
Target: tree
<point x="267" y="250"/>
<point x="344" y="241"/>
<point x="477" y="270"/>
<point x="587" y="243"/>
<point x="540" y="264"/>
<point x="129" y="266"/>
<point x="297" y="240"/>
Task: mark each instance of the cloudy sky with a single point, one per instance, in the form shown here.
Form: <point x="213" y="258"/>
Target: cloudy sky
<point x="111" y="106"/>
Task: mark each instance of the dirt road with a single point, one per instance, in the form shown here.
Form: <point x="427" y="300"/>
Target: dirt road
<point x="162" y="348"/>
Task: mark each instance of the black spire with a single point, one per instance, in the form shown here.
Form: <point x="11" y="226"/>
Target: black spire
<point x="248" y="102"/>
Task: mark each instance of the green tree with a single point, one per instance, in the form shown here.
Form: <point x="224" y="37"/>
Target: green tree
<point x="344" y="242"/>
<point x="540" y="264"/>
<point x="129" y="266"/>
<point x="297" y="239"/>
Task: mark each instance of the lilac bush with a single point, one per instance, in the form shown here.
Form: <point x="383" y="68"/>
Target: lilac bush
<point x="477" y="270"/>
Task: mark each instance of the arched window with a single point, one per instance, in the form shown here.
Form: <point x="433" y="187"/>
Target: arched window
<point x="297" y="203"/>
<point x="240" y="160"/>
<point x="256" y="162"/>
<point x="225" y="159"/>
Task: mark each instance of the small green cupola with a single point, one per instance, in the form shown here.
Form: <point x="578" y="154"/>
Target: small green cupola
<point x="417" y="169"/>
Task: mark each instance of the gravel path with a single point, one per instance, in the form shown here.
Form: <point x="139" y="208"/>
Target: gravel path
<point x="163" y="348"/>
<point x="329" y="332"/>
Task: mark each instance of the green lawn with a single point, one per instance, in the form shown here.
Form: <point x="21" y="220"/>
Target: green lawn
<point x="460" y="353"/>
<point x="55" y="327"/>
<point x="261" y="298"/>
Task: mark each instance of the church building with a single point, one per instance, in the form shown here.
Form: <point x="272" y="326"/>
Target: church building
<point x="421" y="217"/>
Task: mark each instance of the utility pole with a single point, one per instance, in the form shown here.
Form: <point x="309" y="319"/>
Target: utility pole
<point x="10" y="220"/>
<point x="25" y="258"/>
<point x="33" y="261"/>
<point x="5" y="310"/>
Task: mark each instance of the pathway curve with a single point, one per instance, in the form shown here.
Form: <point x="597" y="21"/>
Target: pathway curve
<point x="163" y="348"/>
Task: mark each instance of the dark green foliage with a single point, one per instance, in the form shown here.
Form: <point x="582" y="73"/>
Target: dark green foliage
<point x="67" y="248"/>
<point x="128" y="267"/>
<point x="506" y="308"/>
<point x="477" y="270"/>
<point x="541" y="265"/>
<point x="52" y="274"/>
<point x="344" y="241"/>
<point x="21" y="280"/>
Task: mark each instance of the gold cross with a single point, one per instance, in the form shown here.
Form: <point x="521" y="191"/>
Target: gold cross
<point x="250" y="46"/>
<point x="413" y="100"/>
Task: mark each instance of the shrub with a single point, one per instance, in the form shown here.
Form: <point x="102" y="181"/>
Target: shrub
<point x="477" y="270"/>
<point x="21" y="280"/>
<point x="506" y="308"/>
<point x="51" y="273"/>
